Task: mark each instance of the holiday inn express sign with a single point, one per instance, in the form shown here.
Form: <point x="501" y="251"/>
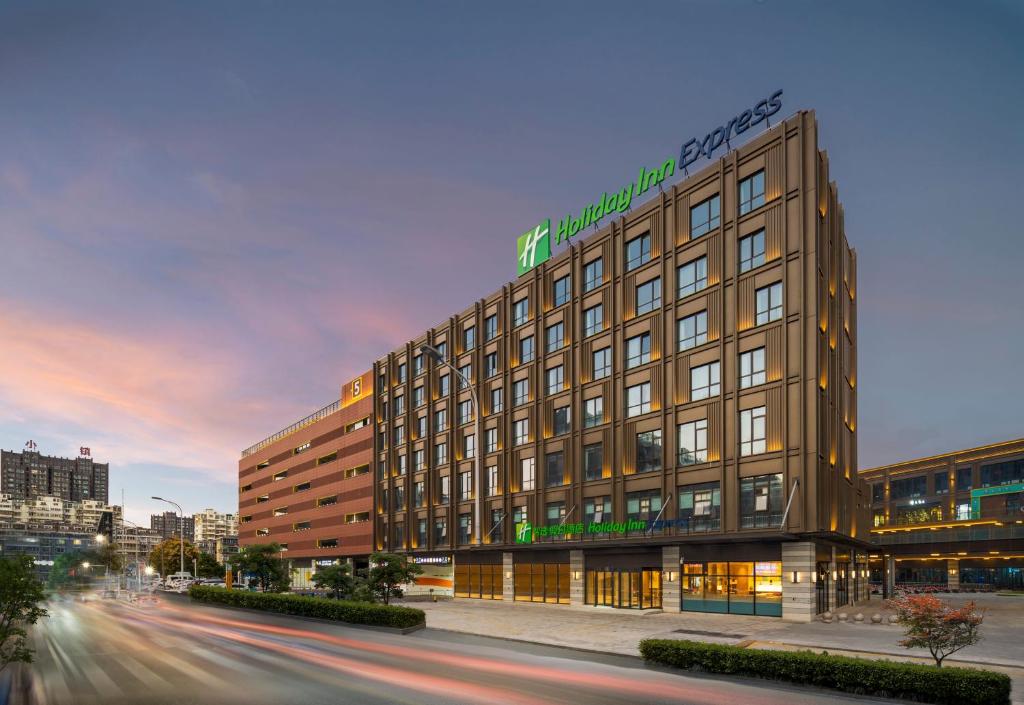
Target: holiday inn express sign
<point x="534" y="246"/>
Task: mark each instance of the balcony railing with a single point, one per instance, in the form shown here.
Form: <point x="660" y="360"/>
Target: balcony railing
<point x="312" y="418"/>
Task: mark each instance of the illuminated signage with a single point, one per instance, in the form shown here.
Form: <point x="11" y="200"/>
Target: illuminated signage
<point x="526" y="532"/>
<point x="431" y="560"/>
<point x="534" y="246"/>
<point x="356" y="389"/>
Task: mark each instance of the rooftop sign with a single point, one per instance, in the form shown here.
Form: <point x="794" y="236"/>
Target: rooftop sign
<point x="534" y="246"/>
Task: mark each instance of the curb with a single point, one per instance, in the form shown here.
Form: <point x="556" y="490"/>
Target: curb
<point x="883" y="654"/>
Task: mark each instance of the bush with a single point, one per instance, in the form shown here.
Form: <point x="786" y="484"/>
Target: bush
<point x="911" y="681"/>
<point x="319" y="607"/>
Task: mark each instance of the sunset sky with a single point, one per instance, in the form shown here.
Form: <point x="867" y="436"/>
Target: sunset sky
<point x="196" y="199"/>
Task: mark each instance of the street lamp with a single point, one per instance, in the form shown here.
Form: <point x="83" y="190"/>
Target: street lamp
<point x="181" y="527"/>
<point x="435" y="354"/>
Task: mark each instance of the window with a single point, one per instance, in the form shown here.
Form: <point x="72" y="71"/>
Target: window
<point x="493" y="483"/>
<point x="417" y="364"/>
<point x="520" y="392"/>
<point x="419" y="398"/>
<point x="444" y="489"/>
<point x="638" y="251"/>
<point x="401" y="469"/>
<point x="908" y="487"/>
<point x="465" y="486"/>
<point x="302" y="526"/>
<point x="704" y="216"/>
<point x="279" y="476"/>
<point x="398" y="535"/>
<point x="324" y="459"/>
<point x="648" y="451"/>
<point x="356" y="425"/>
<point x="302" y="487"/>
<point x="563" y="290"/>
<point x="752" y="251"/>
<point x="593" y="461"/>
<point x="693" y="330"/>
<point x="602" y="363"/>
<point x="700" y="507"/>
<point x="469" y="445"/>
<point x="638" y="350"/>
<point x="638" y="399"/>
<point x="399" y="498"/>
<point x="497" y="395"/>
<point x="419" y="498"/>
<point x="555" y="512"/>
<point x="761" y="501"/>
<point x="520" y="312"/>
<point x="382" y="469"/>
<point x="769" y="303"/>
<point x="399" y="435"/>
<point x="401" y="373"/>
<point x="693" y="276"/>
<point x="556" y="379"/>
<point x="442" y="348"/>
<point x="382" y="384"/>
<point x="555" y="337"/>
<point x="648" y="296"/>
<point x="963" y="479"/>
<point x="443" y="386"/>
<point x="465" y="528"/>
<point x="593" y="320"/>
<point x="1008" y="472"/>
<point x="491" y="327"/>
<point x="441" y="454"/>
<point x="421" y="426"/>
<point x="302" y="448"/>
<point x="561" y="421"/>
<point x="593" y="412"/>
<point x="752" y="192"/>
<point x="597" y="510"/>
<point x="593" y="274"/>
<point x="521" y="432"/>
<point x="490" y="440"/>
<point x="527" y="474"/>
<point x="526" y="350"/>
<point x="399" y="405"/>
<point x="465" y="375"/>
<point x="643" y="506"/>
<point x="419" y="459"/>
<point x="520" y="514"/>
<point x="421" y="533"/>
<point x="281" y="511"/>
<point x="469" y="338"/>
<point x="693" y="442"/>
<point x="752" y="431"/>
<point x="554" y="474"/>
<point x="465" y="410"/>
<point x="491" y="364"/>
<point x="752" y="368"/>
<point x="440" y="420"/>
<point x="262" y="532"/>
<point x="440" y="531"/>
<point x="878" y="492"/>
<point x="704" y="381"/>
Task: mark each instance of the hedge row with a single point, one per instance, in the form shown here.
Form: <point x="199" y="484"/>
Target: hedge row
<point x="319" y="607"/>
<point x="910" y="681"/>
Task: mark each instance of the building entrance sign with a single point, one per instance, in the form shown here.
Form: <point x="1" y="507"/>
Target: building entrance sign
<point x="526" y="532"/>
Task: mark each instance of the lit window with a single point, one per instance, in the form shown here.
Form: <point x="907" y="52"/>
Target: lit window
<point x="527" y="474"/>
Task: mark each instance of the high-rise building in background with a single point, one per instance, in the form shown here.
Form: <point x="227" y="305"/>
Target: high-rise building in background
<point x="171" y="526"/>
<point x="210" y="525"/>
<point x="28" y="474"/>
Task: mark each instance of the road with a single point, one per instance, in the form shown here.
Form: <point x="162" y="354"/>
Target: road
<point x="175" y="652"/>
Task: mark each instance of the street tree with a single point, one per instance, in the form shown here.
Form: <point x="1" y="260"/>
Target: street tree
<point x="208" y="567"/>
<point x="20" y="595"/>
<point x="108" y="554"/>
<point x="388" y="573"/>
<point x="67" y="571"/>
<point x="937" y="626"/>
<point x="337" y="579"/>
<point x="263" y="562"/>
<point x="166" y="557"/>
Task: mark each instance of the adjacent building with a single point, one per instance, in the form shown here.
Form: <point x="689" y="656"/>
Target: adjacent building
<point x="171" y="526"/>
<point x="210" y="525"/>
<point x="29" y="474"/>
<point x="954" y="520"/>
<point x="667" y="410"/>
<point x="309" y="487"/>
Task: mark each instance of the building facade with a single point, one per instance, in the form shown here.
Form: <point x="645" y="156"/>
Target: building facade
<point x="171" y="526"/>
<point x="210" y="525"/>
<point x="668" y="408"/>
<point x="309" y="487"/>
<point x="28" y="474"/>
<point x="954" y="520"/>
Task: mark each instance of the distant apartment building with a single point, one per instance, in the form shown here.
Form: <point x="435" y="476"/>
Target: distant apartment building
<point x="170" y="525"/>
<point x="28" y="474"/>
<point x="309" y="487"/>
<point x="954" y="520"/>
<point x="210" y="525"/>
<point x="136" y="543"/>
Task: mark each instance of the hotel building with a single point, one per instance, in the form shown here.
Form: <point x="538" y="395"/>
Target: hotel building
<point x="668" y="410"/>
<point x="954" y="520"/>
<point x="309" y="487"/>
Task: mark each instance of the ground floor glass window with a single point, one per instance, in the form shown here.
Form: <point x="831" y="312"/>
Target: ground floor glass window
<point x="631" y="589"/>
<point x="479" y="580"/>
<point x="542" y="582"/>
<point x="734" y="587"/>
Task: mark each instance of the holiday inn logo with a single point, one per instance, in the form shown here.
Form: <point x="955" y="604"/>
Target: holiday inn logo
<point x="524" y="532"/>
<point x="534" y="247"/>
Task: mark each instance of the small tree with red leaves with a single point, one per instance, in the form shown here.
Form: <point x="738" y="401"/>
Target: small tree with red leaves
<point x="937" y="626"/>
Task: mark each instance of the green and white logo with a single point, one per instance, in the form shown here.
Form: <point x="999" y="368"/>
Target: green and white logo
<point x="524" y="532"/>
<point x="534" y="247"/>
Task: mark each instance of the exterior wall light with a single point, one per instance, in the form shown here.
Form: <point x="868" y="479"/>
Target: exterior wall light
<point x="795" y="578"/>
<point x="669" y="576"/>
<point x="835" y="575"/>
<point x="576" y="575"/>
<point x="508" y="575"/>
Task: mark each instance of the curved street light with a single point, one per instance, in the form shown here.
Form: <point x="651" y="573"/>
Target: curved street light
<point x="181" y="527"/>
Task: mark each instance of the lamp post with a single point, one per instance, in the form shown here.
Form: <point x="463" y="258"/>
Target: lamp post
<point x="181" y="527"/>
<point x="478" y="440"/>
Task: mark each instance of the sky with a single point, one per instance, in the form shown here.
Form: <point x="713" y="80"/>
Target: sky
<point x="196" y="199"/>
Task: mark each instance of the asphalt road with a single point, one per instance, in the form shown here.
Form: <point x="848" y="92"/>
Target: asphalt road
<point x="176" y="652"/>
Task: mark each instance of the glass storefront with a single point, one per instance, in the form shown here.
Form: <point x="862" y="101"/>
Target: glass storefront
<point x="478" y="580"/>
<point x="541" y="582"/>
<point x="734" y="587"/>
<point x="631" y="589"/>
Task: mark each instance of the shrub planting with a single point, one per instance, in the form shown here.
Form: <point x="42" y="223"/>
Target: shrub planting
<point x="910" y="681"/>
<point x="365" y="613"/>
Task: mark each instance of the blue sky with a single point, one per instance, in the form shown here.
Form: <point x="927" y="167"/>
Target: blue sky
<point x="195" y="199"/>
